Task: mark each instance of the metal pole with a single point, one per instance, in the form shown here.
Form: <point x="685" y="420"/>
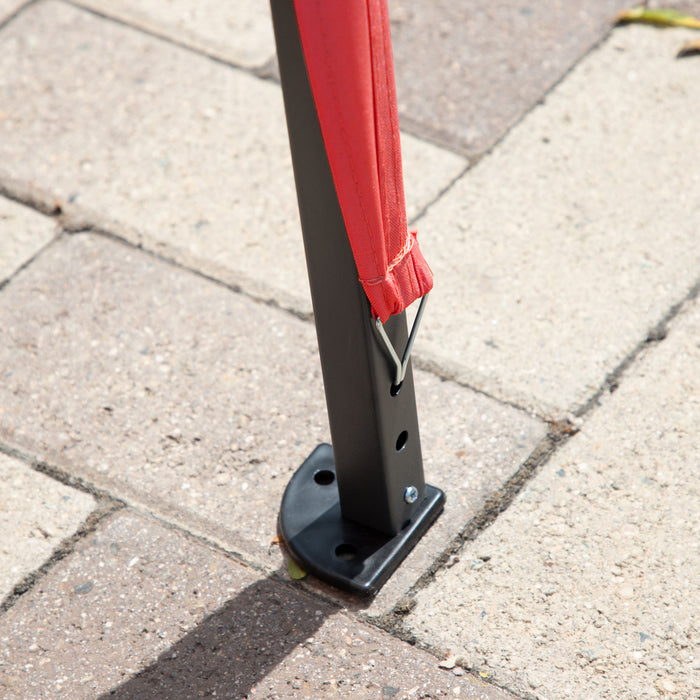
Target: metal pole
<point x="349" y="514"/>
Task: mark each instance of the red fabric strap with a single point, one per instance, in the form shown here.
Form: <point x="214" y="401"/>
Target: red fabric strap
<point x="347" y="49"/>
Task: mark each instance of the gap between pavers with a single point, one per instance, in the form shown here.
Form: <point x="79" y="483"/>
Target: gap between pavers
<point x="23" y="233"/>
<point x="37" y="513"/>
<point x="173" y="393"/>
<point x="139" y="610"/>
<point x="557" y="253"/>
<point x="587" y="586"/>
<point x="176" y="152"/>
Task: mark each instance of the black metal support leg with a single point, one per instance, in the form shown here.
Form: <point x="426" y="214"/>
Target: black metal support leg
<point x="351" y="513"/>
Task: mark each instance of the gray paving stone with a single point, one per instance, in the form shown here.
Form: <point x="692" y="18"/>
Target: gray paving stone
<point x="691" y="7"/>
<point x="138" y="610"/>
<point x="556" y="253"/>
<point x="175" y="151"/>
<point x="8" y="7"/>
<point x="36" y="514"/>
<point x="466" y="72"/>
<point x="22" y="233"/>
<point x="197" y="404"/>
<point x="237" y="31"/>
<point x="587" y="585"/>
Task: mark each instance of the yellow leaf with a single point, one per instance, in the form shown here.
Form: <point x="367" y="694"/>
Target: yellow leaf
<point x="295" y="571"/>
<point x="660" y="18"/>
<point x="692" y="48"/>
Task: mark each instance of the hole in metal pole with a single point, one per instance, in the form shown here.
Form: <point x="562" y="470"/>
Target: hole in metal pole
<point x="401" y="440"/>
<point x="346" y="552"/>
<point x="395" y="389"/>
<point x="324" y="477"/>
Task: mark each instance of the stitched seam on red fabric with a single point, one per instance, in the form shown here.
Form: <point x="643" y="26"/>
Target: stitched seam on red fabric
<point x="388" y="164"/>
<point x="408" y="246"/>
<point x="420" y="280"/>
<point x="413" y="278"/>
<point x="341" y="121"/>
<point x="392" y="176"/>
<point x="380" y="109"/>
<point x="416" y="288"/>
<point x="393" y="120"/>
<point x="376" y="74"/>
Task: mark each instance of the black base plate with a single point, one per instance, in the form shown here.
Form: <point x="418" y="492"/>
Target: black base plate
<point x="336" y="550"/>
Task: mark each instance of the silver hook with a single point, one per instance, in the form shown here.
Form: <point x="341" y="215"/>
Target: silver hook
<point x="401" y="365"/>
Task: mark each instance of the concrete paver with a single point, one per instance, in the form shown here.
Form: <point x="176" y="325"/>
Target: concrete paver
<point x="238" y="31"/>
<point x="22" y="233"/>
<point x="7" y="7"/>
<point x="36" y="514"/>
<point x="587" y="585"/>
<point x="139" y="610"/>
<point x="198" y="404"/>
<point x="201" y="150"/>
<point x="495" y="61"/>
<point x="691" y="7"/>
<point x="557" y="253"/>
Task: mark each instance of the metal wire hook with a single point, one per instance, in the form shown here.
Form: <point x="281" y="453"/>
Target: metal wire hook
<point x="401" y="365"/>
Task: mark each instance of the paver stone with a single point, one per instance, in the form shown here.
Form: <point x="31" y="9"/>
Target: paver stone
<point x="587" y="585"/>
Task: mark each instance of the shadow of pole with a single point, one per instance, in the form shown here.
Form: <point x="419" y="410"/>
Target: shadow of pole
<point x="232" y="649"/>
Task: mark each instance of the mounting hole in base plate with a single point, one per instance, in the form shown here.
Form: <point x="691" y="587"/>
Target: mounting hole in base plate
<point x="346" y="552"/>
<point x="324" y="477"/>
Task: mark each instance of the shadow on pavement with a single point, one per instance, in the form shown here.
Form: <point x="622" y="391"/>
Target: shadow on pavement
<point x="233" y="648"/>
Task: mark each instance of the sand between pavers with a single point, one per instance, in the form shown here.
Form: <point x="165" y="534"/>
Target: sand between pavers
<point x="172" y="149"/>
<point x="139" y="610"/>
<point x="36" y="514"/>
<point x="174" y="393"/>
<point x="587" y="586"/>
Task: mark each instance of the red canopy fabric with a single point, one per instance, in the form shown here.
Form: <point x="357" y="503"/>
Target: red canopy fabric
<point x="347" y="49"/>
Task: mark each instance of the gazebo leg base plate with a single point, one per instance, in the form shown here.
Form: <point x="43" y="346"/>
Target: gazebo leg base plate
<point x="341" y="552"/>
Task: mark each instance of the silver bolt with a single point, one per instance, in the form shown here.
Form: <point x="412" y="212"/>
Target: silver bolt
<point x="410" y="495"/>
